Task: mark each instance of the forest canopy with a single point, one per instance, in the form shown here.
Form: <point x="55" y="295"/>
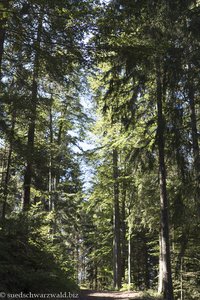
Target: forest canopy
<point x="99" y="146"/>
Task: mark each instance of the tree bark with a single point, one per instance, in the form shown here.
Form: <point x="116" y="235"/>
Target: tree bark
<point x="129" y="259"/>
<point x="123" y="230"/>
<point x="146" y="258"/>
<point x="51" y="204"/>
<point x="58" y="158"/>
<point x="116" y="225"/>
<point x="3" y="20"/>
<point x="165" y="275"/>
<point x="7" y="175"/>
<point x="31" y="131"/>
<point x="195" y="145"/>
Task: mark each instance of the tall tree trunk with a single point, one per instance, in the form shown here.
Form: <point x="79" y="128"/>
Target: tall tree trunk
<point x="129" y="258"/>
<point x="116" y="225"/>
<point x="4" y="5"/>
<point x="165" y="275"/>
<point x="7" y="175"/>
<point x="77" y="260"/>
<point x="59" y="141"/>
<point x="195" y="145"/>
<point x="3" y="165"/>
<point x="96" y="278"/>
<point x="51" y="204"/>
<point x="31" y="130"/>
<point x="147" y="267"/>
<point x="123" y="230"/>
<point x="56" y="177"/>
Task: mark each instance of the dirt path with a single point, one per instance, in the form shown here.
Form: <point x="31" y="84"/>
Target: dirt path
<point x="92" y="295"/>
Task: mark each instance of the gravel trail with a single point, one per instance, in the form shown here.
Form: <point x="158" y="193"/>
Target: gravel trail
<point x="94" y="295"/>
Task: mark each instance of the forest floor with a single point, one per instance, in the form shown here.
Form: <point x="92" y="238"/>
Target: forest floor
<point x="93" y="295"/>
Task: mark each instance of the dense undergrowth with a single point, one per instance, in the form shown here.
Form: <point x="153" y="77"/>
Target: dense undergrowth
<point x="31" y="260"/>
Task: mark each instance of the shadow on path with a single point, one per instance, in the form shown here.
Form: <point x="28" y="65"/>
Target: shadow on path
<point x="94" y="295"/>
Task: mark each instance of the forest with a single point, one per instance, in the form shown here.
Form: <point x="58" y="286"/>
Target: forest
<point x="99" y="149"/>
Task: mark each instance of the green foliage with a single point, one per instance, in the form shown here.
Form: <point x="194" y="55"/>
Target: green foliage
<point x="132" y="37"/>
<point x="30" y="259"/>
<point x="126" y="287"/>
<point x="67" y="235"/>
<point x="151" y="294"/>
